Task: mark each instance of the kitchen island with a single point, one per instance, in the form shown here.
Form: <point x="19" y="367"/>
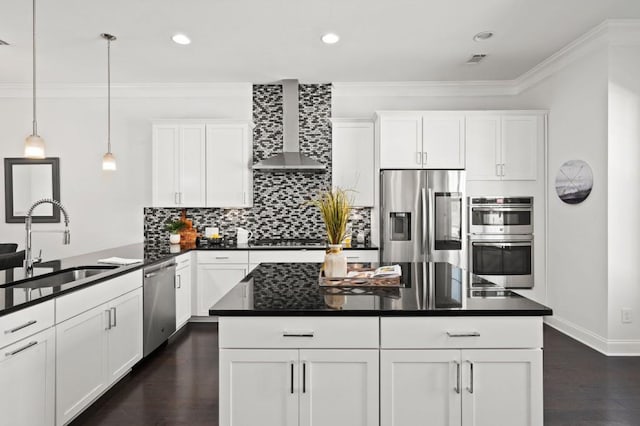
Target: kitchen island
<point x="447" y="346"/>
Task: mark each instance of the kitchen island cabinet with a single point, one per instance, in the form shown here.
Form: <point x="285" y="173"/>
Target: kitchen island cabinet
<point x="445" y="350"/>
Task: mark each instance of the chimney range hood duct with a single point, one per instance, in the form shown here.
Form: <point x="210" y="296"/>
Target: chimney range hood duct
<point x="291" y="159"/>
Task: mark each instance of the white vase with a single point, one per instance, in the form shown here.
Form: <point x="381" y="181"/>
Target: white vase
<point x="174" y="238"/>
<point x="335" y="262"/>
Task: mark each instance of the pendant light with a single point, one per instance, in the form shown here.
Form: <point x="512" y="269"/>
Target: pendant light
<point x="108" y="161"/>
<point x="34" y="144"/>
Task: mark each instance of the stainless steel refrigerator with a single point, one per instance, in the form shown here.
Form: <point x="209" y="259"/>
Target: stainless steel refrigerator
<point x="423" y="216"/>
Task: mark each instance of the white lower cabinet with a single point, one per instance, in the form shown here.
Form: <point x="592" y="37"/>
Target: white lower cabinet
<point x="214" y="281"/>
<point x="27" y="377"/>
<point x="478" y="387"/>
<point x="93" y="350"/>
<point x="183" y="290"/>
<point x="306" y="387"/>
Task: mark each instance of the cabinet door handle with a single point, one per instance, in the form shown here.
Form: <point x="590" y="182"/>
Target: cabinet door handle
<point x="297" y="333"/>
<point x="292" y="376"/>
<point x="498" y="170"/>
<point x="178" y="281"/>
<point x="304" y="377"/>
<point x="108" y="311"/>
<point x="470" y="388"/>
<point x="20" y="327"/>
<point x="424" y="158"/>
<point x="115" y="317"/>
<point x="24" y="348"/>
<point x="502" y="170"/>
<point x="418" y="157"/>
<point x="463" y="334"/>
<point x="457" y="388"/>
<point x="175" y="198"/>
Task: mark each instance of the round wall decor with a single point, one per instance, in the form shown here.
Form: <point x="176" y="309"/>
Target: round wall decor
<point x="574" y="181"/>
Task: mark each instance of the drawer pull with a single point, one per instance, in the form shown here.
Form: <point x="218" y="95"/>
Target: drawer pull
<point x="222" y="257"/>
<point x="297" y="333"/>
<point x="20" y="327"/>
<point x="463" y="334"/>
<point x="353" y="257"/>
<point x="24" y="348"/>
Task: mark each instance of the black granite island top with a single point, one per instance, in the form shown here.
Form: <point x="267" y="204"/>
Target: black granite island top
<point x="429" y="289"/>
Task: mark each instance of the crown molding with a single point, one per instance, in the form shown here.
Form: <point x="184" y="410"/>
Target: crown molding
<point x="426" y="88"/>
<point x="149" y="90"/>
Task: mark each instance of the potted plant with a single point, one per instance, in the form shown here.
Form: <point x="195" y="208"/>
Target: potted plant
<point x="174" y="227"/>
<point x="334" y="208"/>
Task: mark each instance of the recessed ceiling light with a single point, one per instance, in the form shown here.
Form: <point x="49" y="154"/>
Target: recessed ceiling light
<point x="484" y="35"/>
<point x="330" y="38"/>
<point x="181" y="39"/>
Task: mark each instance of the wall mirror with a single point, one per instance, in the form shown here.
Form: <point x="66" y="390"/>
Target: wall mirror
<point x="25" y="182"/>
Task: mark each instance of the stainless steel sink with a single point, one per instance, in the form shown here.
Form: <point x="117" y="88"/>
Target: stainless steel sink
<point x="65" y="276"/>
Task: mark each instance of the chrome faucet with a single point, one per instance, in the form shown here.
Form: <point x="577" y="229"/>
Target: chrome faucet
<point x="66" y="235"/>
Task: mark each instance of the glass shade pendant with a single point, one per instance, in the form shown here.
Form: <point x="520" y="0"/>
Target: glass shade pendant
<point x="108" y="160"/>
<point x="34" y="144"/>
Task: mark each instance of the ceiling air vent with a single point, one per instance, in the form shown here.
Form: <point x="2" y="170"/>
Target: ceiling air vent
<point x="476" y="59"/>
<point x="3" y="43"/>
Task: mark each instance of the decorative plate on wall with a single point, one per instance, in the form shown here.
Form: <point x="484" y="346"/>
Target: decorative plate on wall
<point x="574" y="181"/>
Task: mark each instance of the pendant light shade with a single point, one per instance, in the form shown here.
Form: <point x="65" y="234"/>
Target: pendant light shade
<point x="108" y="160"/>
<point x="34" y="144"/>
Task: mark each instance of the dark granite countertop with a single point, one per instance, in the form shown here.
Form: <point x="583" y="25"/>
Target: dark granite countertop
<point x="13" y="299"/>
<point x="288" y="289"/>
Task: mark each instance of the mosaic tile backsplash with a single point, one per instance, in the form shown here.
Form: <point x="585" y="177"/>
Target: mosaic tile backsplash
<point x="280" y="208"/>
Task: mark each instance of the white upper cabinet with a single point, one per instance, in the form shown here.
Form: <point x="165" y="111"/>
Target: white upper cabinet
<point x="400" y="140"/>
<point x="422" y="140"/>
<point x="503" y="146"/>
<point x="229" y="154"/>
<point x="353" y="159"/>
<point x="521" y="135"/>
<point x="483" y="147"/>
<point x="202" y="163"/>
<point x="443" y="140"/>
<point x="178" y="165"/>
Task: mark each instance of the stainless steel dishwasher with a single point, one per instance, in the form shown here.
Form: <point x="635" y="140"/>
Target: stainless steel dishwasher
<point x="159" y="302"/>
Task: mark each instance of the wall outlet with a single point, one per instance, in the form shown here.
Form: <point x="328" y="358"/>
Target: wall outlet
<point x="627" y="316"/>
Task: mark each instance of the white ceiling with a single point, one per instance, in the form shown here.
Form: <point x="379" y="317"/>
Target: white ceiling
<point x="267" y="40"/>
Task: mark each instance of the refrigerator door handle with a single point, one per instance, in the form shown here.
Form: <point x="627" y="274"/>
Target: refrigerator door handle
<point x="431" y="221"/>
<point x="424" y="217"/>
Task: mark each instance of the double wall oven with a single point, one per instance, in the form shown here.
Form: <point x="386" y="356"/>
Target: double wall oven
<point x="501" y="240"/>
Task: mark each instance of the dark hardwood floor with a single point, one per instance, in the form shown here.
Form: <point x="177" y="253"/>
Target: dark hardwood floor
<point x="178" y="385"/>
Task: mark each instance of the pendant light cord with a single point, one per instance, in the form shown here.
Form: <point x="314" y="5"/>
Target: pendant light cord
<point x="108" y="95"/>
<point x="35" y="124"/>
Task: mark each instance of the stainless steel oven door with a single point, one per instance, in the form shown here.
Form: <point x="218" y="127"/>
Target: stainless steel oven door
<point x="506" y="260"/>
<point x="500" y="220"/>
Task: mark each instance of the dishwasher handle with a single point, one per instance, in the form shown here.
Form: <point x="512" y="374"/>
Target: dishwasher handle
<point x="156" y="269"/>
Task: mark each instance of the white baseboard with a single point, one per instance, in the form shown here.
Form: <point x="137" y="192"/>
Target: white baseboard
<point x="593" y="340"/>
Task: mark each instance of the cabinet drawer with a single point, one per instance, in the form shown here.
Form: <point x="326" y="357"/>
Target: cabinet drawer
<point x="361" y="255"/>
<point x="277" y="256"/>
<point x="26" y="322"/>
<point x="460" y="332"/>
<point x="223" y="256"/>
<point x="299" y="332"/>
<point x="183" y="261"/>
<point x="84" y="299"/>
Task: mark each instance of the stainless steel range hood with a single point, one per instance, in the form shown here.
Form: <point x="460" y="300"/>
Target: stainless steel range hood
<point x="291" y="159"/>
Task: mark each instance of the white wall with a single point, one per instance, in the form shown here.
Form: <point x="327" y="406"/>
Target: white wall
<point x="576" y="98"/>
<point x="624" y="199"/>
<point x="106" y="209"/>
